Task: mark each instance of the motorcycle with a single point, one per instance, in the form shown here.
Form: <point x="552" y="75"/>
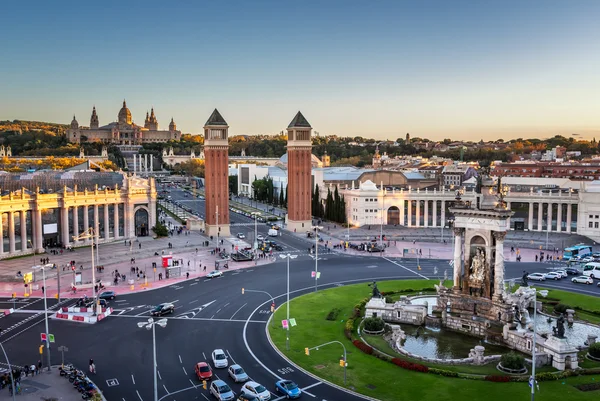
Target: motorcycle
<point x="88" y="394"/>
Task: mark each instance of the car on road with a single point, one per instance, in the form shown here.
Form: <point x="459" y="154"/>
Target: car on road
<point x="587" y="259"/>
<point x="219" y="359"/>
<point x="246" y="397"/>
<point x="107" y="295"/>
<point x="163" y="309"/>
<point x="203" y="371"/>
<point x="221" y="391"/>
<point x="103" y="303"/>
<point x="583" y="280"/>
<point x="260" y="237"/>
<point x="257" y="390"/>
<point x="214" y="273"/>
<point x="237" y="373"/>
<point x="572" y="271"/>
<point x="552" y="276"/>
<point x="241" y="235"/>
<point x="562" y="273"/>
<point x="536" y="276"/>
<point x="288" y="388"/>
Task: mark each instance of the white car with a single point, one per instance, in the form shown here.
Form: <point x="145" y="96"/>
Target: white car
<point x="260" y="237"/>
<point x="563" y="273"/>
<point x="552" y="276"/>
<point x="257" y="390"/>
<point x="236" y="372"/>
<point x="536" y="276"/>
<point x="214" y="273"/>
<point x="583" y="279"/>
<point x="587" y="259"/>
<point x="219" y="359"/>
<point x="241" y="235"/>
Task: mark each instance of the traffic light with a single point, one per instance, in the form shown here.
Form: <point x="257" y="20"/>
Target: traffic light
<point x="242" y="291"/>
<point x="342" y="363"/>
<point x="204" y="386"/>
<point x="306" y="351"/>
<point x="41" y="349"/>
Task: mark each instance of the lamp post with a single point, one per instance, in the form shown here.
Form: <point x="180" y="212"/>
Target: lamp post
<point x="90" y="234"/>
<point x="307" y="351"/>
<point x="45" y="314"/>
<point x="256" y="214"/>
<point x="288" y="257"/>
<point x="10" y="371"/>
<point x="543" y="293"/>
<point x="316" y="229"/>
<point x="150" y="324"/>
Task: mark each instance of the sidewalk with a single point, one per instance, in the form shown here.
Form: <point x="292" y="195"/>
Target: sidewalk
<point x="44" y="386"/>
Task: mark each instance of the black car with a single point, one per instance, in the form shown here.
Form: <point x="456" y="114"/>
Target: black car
<point x="163" y="309"/>
<point x="572" y="271"/>
<point x="107" y="295"/>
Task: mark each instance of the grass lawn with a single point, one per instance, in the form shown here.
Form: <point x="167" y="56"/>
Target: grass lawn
<point x="383" y="380"/>
<point x="583" y="301"/>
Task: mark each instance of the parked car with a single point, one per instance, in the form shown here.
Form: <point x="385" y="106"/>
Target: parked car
<point x="288" y="388"/>
<point x="241" y="235"/>
<point x="203" y="371"/>
<point x="107" y="295"/>
<point x="583" y="280"/>
<point x="219" y="359"/>
<point x="214" y="273"/>
<point x="552" y="276"/>
<point x="572" y="271"/>
<point x="257" y="390"/>
<point x="221" y="391"/>
<point x="163" y="309"/>
<point x="536" y="276"/>
<point x="237" y="373"/>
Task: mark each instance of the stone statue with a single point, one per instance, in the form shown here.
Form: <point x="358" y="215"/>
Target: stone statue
<point x="524" y="282"/>
<point x="478" y="267"/>
<point x="376" y="293"/>
<point x="559" y="329"/>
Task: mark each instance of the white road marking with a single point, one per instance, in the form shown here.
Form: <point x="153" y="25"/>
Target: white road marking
<point x="218" y="311"/>
<point x="193" y="284"/>
<point x="231" y="318"/>
<point x="184" y="371"/>
<point x="180" y="361"/>
<point x="138" y="393"/>
<point x="133" y="379"/>
<point x="212" y="317"/>
<point x="203" y="355"/>
<point x="195" y="300"/>
<point x="406" y="268"/>
<point x="206" y="280"/>
<point x="204" y="396"/>
<point x="192" y="383"/>
<point x="120" y="300"/>
<point x="166" y="389"/>
<point x="200" y="319"/>
<point x="159" y="376"/>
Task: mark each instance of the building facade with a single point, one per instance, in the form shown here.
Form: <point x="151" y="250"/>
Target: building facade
<point x="124" y="131"/>
<point x="34" y="219"/>
<point x="216" y="176"/>
<point x="299" y="167"/>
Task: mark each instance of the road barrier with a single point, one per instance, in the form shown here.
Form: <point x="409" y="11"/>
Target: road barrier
<point x="8" y="311"/>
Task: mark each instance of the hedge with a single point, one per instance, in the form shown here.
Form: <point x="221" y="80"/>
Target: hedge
<point x="417" y="367"/>
<point x="497" y="379"/>
<point x="595" y="350"/>
<point x="363" y="347"/>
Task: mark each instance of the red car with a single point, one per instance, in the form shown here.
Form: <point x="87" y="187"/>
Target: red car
<point x="203" y="371"/>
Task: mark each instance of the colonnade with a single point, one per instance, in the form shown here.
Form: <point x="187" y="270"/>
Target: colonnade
<point x="140" y="163"/>
<point x="549" y="207"/>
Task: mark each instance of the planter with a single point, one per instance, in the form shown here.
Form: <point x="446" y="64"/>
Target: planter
<point x="373" y="333"/>
<point x="592" y="358"/>
<point x="511" y="371"/>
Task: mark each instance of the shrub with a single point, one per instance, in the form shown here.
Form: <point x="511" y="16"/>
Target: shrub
<point x="389" y="300"/>
<point x="442" y="372"/>
<point x="410" y="366"/>
<point x="374" y="324"/>
<point x="543" y="377"/>
<point x="498" y="379"/>
<point x="272" y="218"/>
<point x="160" y="230"/>
<point x="513" y="361"/>
<point x="333" y="314"/>
<point x="349" y="328"/>
<point x="595" y="350"/>
<point x="363" y="347"/>
<point x="561" y="308"/>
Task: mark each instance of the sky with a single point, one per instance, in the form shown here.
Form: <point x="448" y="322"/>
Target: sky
<point x="465" y="70"/>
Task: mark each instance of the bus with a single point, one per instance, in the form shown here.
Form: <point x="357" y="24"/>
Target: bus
<point x="577" y="250"/>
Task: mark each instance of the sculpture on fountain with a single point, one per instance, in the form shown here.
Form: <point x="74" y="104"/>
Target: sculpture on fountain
<point x="559" y="330"/>
<point x="376" y="293"/>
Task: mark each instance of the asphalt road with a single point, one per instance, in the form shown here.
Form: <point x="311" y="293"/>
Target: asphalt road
<point x="213" y="314"/>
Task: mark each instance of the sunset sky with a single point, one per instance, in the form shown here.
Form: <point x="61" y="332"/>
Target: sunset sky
<point x="462" y="69"/>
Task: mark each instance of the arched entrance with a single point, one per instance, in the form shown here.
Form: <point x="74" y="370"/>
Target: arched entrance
<point x="393" y="215"/>
<point x="141" y="223"/>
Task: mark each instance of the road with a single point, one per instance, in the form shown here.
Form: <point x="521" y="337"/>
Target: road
<point x="210" y="314"/>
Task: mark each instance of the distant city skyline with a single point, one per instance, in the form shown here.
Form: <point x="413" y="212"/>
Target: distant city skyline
<point x="435" y="69"/>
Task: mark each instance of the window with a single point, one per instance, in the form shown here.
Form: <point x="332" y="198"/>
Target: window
<point x="591" y="216"/>
<point x="591" y="225"/>
<point x="596" y="225"/>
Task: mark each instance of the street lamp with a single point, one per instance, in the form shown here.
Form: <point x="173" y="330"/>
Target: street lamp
<point x="288" y="257"/>
<point x="90" y="234"/>
<point x="45" y="313"/>
<point x="316" y="229"/>
<point x="543" y="293"/>
<point x="150" y="325"/>
<point x="255" y="214"/>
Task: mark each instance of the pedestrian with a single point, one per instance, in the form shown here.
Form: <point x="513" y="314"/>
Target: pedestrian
<point x="204" y="268"/>
<point x="39" y="370"/>
<point x="32" y="369"/>
<point x="43" y="289"/>
<point x="187" y="275"/>
<point x="140" y="245"/>
<point x="188" y="263"/>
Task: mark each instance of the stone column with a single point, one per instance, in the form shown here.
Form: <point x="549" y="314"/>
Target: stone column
<point x="409" y="213"/>
<point x="96" y="223"/>
<point x="426" y="214"/>
<point x="559" y="217"/>
<point x="443" y="211"/>
<point x="151" y="163"/>
<point x="86" y="221"/>
<point x="116" y="218"/>
<point x="418" y="214"/>
<point x="402" y="220"/>
<point x="530" y="221"/>
<point x="11" y="232"/>
<point x="23" y="230"/>
<point x="39" y="235"/>
<point x="458" y="237"/>
<point x="434" y="204"/>
<point x="76" y="222"/>
<point x="569" y="209"/>
<point x="134" y="164"/>
<point x="549" y="218"/>
<point x="540" y="211"/>
<point x="141" y="166"/>
<point x="106" y="222"/>
<point x="64" y="226"/>
<point x="146" y="162"/>
<point x="1" y="234"/>
<point x="499" y="265"/>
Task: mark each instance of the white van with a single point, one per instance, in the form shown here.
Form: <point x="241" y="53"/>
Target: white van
<point x="273" y="232"/>
<point x="592" y="270"/>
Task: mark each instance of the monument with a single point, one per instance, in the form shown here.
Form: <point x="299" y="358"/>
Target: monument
<point x="299" y="166"/>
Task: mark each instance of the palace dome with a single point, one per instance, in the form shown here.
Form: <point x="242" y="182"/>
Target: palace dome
<point x="124" y="114"/>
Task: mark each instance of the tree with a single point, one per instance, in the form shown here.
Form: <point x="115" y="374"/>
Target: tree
<point x="233" y="184"/>
<point x="160" y="230"/>
<point x="282" y="197"/>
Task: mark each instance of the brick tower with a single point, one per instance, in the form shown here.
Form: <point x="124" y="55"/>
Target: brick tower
<point x="216" y="159"/>
<point x="299" y="165"/>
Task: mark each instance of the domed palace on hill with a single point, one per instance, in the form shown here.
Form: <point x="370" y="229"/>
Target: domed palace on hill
<point x="123" y="131"/>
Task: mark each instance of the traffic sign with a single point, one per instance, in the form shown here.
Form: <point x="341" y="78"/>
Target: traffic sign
<point x="313" y="274"/>
<point x="51" y="337"/>
<point x="284" y="323"/>
<point x="43" y="336"/>
<point x="292" y="322"/>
